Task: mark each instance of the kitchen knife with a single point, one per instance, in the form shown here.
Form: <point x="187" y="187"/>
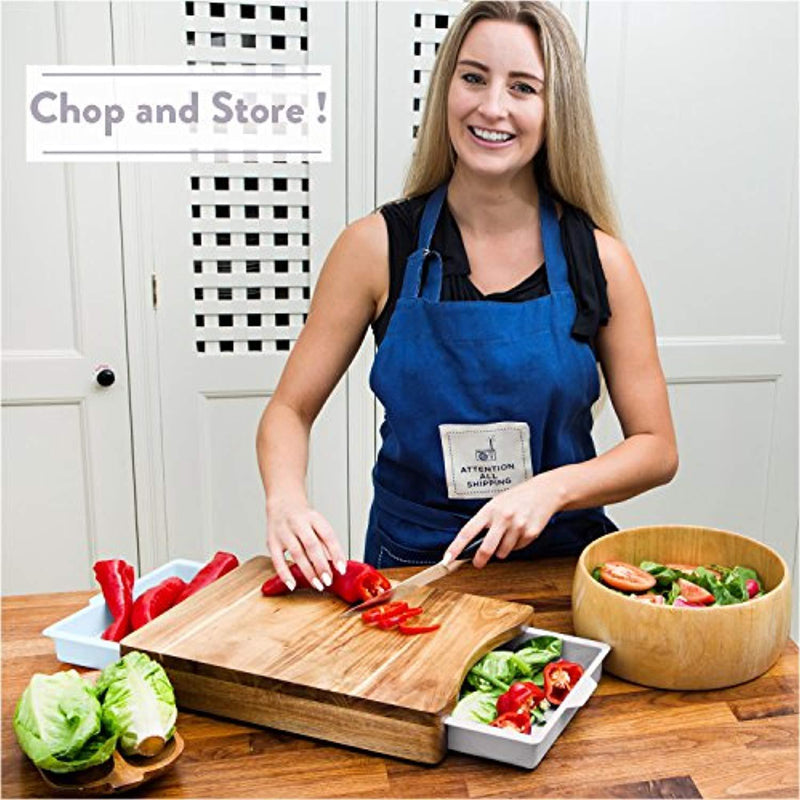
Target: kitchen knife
<point x="420" y="579"/>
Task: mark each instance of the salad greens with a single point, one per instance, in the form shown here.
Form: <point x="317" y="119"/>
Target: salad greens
<point x="138" y="704"/>
<point x="497" y="670"/>
<point x="477" y="707"/>
<point x="64" y="724"/>
<point x="728" y="585"/>
<point x="59" y="726"/>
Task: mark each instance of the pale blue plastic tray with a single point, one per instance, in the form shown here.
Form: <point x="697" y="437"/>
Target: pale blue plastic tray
<point x="528" y="749"/>
<point x="77" y="637"/>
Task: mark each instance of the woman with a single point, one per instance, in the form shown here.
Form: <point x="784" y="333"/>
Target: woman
<point x="487" y="378"/>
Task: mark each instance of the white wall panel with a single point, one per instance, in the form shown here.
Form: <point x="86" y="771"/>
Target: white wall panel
<point x="48" y="541"/>
<point x="724" y="442"/>
<point x="701" y="135"/>
<point x="47" y="271"/>
<point x="232" y="497"/>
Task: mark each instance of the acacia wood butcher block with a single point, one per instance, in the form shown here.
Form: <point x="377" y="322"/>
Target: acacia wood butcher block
<point x="293" y="662"/>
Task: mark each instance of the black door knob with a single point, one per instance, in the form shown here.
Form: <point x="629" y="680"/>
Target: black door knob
<point x="105" y="376"/>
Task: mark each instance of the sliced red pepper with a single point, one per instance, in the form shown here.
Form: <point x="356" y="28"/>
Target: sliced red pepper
<point x="220" y="565"/>
<point x="156" y="600"/>
<point x="515" y="720"/>
<point x="116" y="577"/>
<point x="410" y="630"/>
<point x="559" y="678"/>
<point x="372" y="615"/>
<point x="520" y="695"/>
<point x="360" y="582"/>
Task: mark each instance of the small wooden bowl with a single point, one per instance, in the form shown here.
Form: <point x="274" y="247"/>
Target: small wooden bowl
<point x="118" y="774"/>
<point x="683" y="648"/>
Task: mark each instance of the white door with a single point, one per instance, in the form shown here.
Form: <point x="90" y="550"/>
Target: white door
<point x="701" y="141"/>
<point x="67" y="464"/>
<point x="235" y="250"/>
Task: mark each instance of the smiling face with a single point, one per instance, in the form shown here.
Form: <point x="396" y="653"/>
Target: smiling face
<point x="495" y="105"/>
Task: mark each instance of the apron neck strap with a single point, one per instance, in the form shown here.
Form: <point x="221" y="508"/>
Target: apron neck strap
<point x="555" y="262"/>
<point x="427" y="283"/>
<point x="415" y="266"/>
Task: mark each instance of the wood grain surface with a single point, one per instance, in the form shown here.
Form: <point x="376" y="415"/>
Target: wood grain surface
<point x="294" y="662"/>
<point x="628" y="741"/>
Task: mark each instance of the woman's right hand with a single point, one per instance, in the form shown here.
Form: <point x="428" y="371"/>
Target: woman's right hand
<point x="303" y="533"/>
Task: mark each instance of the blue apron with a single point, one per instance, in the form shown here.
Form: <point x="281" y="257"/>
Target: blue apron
<point x="478" y="395"/>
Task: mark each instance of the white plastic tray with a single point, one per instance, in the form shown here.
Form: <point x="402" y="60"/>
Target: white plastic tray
<point x="77" y="637"/>
<point x="528" y="749"/>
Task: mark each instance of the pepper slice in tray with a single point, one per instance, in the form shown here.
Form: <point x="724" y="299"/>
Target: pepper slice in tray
<point x="560" y="678"/>
<point x="523" y="695"/>
<point x="519" y="721"/>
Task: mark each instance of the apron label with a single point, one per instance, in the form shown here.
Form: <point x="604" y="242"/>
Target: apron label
<point x="484" y="460"/>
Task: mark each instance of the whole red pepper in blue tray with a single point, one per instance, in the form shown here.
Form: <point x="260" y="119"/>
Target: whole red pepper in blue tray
<point x="360" y="582"/>
<point x="116" y="577"/>
<point x="220" y="565"/>
<point x="156" y="600"/>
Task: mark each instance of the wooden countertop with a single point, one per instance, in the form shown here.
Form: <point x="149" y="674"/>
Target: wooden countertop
<point x="628" y="741"/>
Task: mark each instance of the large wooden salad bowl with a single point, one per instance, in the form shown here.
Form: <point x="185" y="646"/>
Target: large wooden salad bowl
<point x="684" y="648"/>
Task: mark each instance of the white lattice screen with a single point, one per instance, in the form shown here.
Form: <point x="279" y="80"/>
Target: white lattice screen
<point x="409" y="35"/>
<point x="251" y="232"/>
<point x="430" y="28"/>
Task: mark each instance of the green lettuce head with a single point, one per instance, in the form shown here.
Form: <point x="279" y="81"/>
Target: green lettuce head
<point x="58" y="724"/>
<point x="138" y="704"/>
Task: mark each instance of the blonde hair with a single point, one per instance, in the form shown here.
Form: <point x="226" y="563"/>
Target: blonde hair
<point x="569" y="164"/>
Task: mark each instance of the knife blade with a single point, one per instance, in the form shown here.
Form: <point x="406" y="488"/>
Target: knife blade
<point x="429" y="575"/>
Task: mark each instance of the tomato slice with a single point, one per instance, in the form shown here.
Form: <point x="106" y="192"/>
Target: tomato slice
<point x="655" y="599"/>
<point x="693" y="593"/>
<point x="682" y="567"/>
<point x="626" y="577"/>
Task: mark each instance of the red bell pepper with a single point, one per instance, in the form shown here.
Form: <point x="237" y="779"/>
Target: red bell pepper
<point x="116" y="577"/>
<point x="275" y="585"/>
<point x="360" y="582"/>
<point x="156" y="600"/>
<point x="411" y="630"/>
<point x="524" y="695"/>
<point x="221" y="564"/>
<point x="519" y="720"/>
<point x="559" y="679"/>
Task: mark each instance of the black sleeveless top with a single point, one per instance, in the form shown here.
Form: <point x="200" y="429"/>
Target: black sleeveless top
<point x="585" y="271"/>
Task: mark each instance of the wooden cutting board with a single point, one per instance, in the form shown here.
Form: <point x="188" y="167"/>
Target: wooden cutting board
<point x="295" y="663"/>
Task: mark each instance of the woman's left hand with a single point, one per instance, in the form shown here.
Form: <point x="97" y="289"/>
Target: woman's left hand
<point x="514" y="519"/>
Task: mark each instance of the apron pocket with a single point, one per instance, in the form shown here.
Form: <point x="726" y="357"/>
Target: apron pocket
<point x="392" y="553"/>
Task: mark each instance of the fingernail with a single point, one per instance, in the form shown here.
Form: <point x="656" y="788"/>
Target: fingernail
<point x="291" y="584"/>
<point x="326" y="579"/>
<point x="447" y="558"/>
<point x="316" y="584"/>
<point x="342" y="567"/>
